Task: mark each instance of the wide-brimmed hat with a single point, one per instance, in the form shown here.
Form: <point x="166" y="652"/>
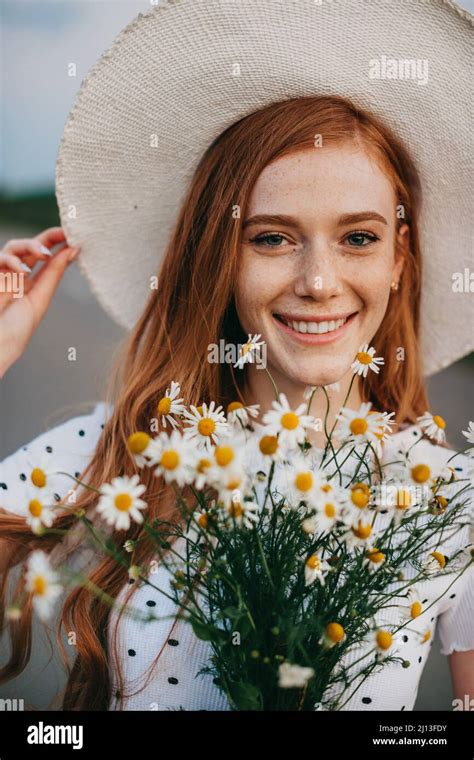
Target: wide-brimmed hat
<point x="180" y="74"/>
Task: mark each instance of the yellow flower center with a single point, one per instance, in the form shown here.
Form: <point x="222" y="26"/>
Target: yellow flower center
<point x="442" y="501"/>
<point x="335" y="632"/>
<point x="439" y="421"/>
<point x="246" y="348"/>
<point x="360" y="496"/>
<point x="363" y="357"/>
<point x="203" y="464"/>
<point x="224" y="455"/>
<point x="416" y="609"/>
<point x="203" y="520"/>
<point x="39" y="585"/>
<point x="384" y="639"/>
<point x="358" y="426"/>
<point x="426" y="637"/>
<point x="169" y="459"/>
<point x="313" y="562"/>
<point x="123" y="502"/>
<point x="403" y="500"/>
<point x="376" y="556"/>
<point x="236" y="509"/>
<point x="233" y="406"/>
<point x="290" y="420"/>
<point x="420" y="473"/>
<point x="329" y="510"/>
<point x="38" y="478"/>
<point x="304" y="481"/>
<point x="268" y="444"/>
<point x="206" y="426"/>
<point x="233" y="484"/>
<point x="326" y="488"/>
<point x="362" y="531"/>
<point x="137" y="442"/>
<point x="440" y="558"/>
<point x="35" y="508"/>
<point x="164" y="405"/>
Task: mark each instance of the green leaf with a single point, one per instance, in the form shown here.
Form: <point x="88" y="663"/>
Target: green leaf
<point x="207" y="632"/>
<point x="246" y="696"/>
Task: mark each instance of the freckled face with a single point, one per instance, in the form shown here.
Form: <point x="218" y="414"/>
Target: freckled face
<point x="316" y="283"/>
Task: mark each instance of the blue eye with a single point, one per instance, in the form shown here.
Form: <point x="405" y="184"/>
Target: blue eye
<point x="361" y="239"/>
<point x="269" y="239"/>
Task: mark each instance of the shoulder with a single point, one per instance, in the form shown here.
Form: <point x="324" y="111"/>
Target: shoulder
<point x="65" y="448"/>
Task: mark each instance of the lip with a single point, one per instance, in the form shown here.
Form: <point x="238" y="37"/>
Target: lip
<point x="312" y="339"/>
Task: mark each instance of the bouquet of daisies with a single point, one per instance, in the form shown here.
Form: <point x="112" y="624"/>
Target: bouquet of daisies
<point x="286" y="555"/>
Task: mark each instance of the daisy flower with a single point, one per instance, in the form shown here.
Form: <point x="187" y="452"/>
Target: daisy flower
<point x="293" y="676"/>
<point x="244" y="513"/>
<point x="231" y="483"/>
<point x="469" y="435"/>
<point x="289" y="425"/>
<point x="44" y="476"/>
<point x="170" y="405"/>
<point x="201" y="471"/>
<point x="174" y="458"/>
<point x="39" y="515"/>
<point x="238" y="413"/>
<point x="43" y="582"/>
<point x="300" y="482"/>
<point x="315" y="568"/>
<point x="412" y="607"/>
<point x="270" y="447"/>
<point x="205" y="424"/>
<point x="397" y="498"/>
<point x="433" y="426"/>
<point x="333" y="634"/>
<point x="327" y="513"/>
<point x="366" y="360"/>
<point x="119" y="501"/>
<point x="140" y="445"/>
<point x="248" y="351"/>
<point x="358" y="425"/>
<point x="382" y="434"/>
<point x="359" y="534"/>
<point x="374" y="559"/>
<point x="358" y="499"/>
<point x="434" y="563"/>
<point x="384" y="642"/>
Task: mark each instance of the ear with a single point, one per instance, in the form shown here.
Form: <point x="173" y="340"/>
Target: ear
<point x="402" y="250"/>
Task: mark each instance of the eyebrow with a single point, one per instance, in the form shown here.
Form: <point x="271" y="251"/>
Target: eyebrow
<point x="290" y="221"/>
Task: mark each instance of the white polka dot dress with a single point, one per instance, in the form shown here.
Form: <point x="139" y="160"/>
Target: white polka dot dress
<point x="174" y="683"/>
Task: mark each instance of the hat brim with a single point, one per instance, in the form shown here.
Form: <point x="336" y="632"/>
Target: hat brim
<point x="165" y="89"/>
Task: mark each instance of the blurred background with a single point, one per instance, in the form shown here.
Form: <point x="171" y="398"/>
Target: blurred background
<point x="40" y="39"/>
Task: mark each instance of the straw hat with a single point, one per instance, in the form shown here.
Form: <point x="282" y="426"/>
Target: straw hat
<point x="180" y="74"/>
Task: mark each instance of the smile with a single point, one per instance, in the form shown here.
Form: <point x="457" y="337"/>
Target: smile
<point x="319" y="330"/>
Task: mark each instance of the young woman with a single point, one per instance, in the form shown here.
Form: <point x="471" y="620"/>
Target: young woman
<point x="311" y="242"/>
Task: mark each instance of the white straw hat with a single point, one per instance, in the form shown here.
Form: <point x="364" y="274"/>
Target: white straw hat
<point x="180" y="74"/>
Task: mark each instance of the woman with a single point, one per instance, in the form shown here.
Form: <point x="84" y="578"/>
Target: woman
<point x="300" y="224"/>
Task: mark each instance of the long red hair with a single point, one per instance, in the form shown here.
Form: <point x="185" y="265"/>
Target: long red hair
<point x="193" y="307"/>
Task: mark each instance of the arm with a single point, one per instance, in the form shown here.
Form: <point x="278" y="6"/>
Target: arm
<point x="461" y="665"/>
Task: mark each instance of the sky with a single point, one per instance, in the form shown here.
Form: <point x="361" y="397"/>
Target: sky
<point x="38" y="40"/>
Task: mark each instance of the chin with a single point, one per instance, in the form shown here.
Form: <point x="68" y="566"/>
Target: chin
<point x="319" y="375"/>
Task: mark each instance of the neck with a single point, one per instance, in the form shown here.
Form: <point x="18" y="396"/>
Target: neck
<point x="258" y="389"/>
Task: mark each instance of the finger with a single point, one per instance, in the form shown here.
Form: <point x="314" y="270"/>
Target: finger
<point x="8" y="261"/>
<point x="51" y="236"/>
<point x="46" y="281"/>
<point x="30" y="249"/>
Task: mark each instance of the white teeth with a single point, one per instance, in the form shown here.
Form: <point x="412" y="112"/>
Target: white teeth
<point x="316" y="328"/>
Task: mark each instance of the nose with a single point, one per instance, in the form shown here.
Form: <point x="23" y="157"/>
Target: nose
<point x="318" y="275"/>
